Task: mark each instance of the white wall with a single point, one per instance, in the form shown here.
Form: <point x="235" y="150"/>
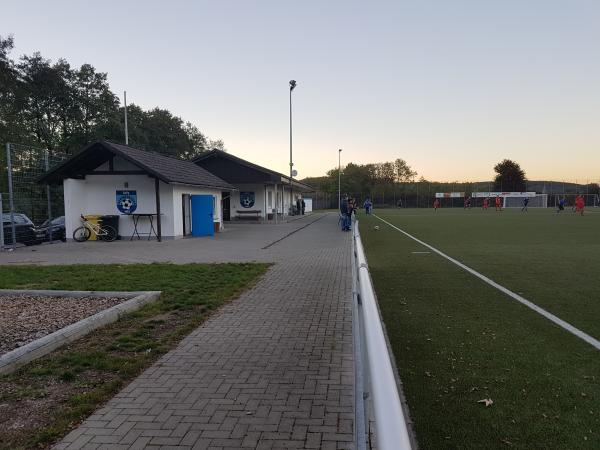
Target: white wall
<point x="270" y="207"/>
<point x="179" y="190"/>
<point x="97" y="195"/>
<point x="286" y="198"/>
<point x="259" y="198"/>
<point x="308" y="205"/>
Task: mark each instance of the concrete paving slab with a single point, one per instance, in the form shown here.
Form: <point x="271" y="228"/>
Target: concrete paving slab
<point x="272" y="369"/>
<point x="238" y="243"/>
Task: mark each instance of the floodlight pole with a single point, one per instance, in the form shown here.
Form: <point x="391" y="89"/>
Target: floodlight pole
<point x="292" y="86"/>
<point x="339" y="179"/>
<point x="126" y="130"/>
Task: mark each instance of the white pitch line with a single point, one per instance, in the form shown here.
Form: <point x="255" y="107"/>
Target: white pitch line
<point x="558" y="321"/>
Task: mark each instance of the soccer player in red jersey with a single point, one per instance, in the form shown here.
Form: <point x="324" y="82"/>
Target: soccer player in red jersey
<point x="436" y="204"/>
<point x="579" y="204"/>
<point x="486" y="203"/>
<point x="498" y="203"/>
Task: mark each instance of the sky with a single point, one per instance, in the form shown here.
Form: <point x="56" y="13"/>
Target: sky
<point x="450" y="86"/>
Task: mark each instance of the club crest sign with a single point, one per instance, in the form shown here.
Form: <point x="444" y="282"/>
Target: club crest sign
<point x="247" y="199"/>
<point x="127" y="201"/>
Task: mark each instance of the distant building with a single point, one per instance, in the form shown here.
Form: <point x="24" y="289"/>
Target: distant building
<point x="259" y="191"/>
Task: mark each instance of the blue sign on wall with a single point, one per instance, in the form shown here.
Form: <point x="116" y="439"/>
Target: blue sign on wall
<point x="127" y="201"/>
<point x="247" y="199"/>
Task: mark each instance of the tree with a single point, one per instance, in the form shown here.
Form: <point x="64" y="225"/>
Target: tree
<point x="9" y="123"/>
<point x="592" y="188"/>
<point x="63" y="108"/>
<point x="197" y="140"/>
<point x="385" y="174"/>
<point x="216" y="145"/>
<point x="93" y="105"/>
<point x="509" y="177"/>
<point x="404" y="174"/>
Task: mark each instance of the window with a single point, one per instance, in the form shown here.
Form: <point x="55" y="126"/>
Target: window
<point x="19" y="219"/>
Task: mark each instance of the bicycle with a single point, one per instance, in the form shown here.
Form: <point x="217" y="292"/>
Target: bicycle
<point x="104" y="232"/>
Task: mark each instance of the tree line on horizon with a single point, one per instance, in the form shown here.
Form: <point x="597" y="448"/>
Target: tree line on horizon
<point x="395" y="182"/>
<point x="62" y="108"/>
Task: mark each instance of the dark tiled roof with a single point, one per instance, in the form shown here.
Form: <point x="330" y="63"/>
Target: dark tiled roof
<point x="165" y="168"/>
<point x="242" y="162"/>
<point x="169" y="169"/>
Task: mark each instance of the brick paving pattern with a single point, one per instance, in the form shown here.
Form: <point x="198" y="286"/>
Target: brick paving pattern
<point x="272" y="370"/>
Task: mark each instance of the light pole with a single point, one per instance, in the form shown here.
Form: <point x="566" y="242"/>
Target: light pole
<point x="339" y="179"/>
<point x="126" y="130"/>
<point x="292" y="86"/>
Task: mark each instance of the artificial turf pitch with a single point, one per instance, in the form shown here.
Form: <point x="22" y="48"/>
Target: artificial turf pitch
<point x="457" y="340"/>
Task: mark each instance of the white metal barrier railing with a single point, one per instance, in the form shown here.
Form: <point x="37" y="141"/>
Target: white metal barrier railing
<point x="376" y="388"/>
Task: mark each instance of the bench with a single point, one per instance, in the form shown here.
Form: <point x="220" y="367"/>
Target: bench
<point x="249" y="213"/>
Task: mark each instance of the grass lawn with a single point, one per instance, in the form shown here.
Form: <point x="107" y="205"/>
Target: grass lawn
<point x="458" y="340"/>
<point x="41" y="402"/>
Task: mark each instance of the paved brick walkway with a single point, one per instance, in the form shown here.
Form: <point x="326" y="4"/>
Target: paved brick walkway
<point x="273" y="369"/>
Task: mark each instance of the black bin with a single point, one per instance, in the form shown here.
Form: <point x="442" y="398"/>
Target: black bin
<point x="112" y="221"/>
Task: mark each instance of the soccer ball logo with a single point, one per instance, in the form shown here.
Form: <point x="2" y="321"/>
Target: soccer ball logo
<point x="126" y="203"/>
<point x="247" y="199"/>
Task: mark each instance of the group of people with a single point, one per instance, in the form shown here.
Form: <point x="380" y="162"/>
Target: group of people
<point x="578" y="206"/>
<point x="347" y="208"/>
<point x="468" y="201"/>
<point x="497" y="203"/>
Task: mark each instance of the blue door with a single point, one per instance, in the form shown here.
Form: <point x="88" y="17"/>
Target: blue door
<point x="202" y="215"/>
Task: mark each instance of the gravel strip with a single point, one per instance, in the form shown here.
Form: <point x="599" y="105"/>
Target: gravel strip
<point x="24" y="319"/>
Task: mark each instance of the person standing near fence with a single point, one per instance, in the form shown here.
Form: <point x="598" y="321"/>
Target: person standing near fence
<point x="344" y="214"/>
<point x="368" y="206"/>
<point x="436" y="204"/>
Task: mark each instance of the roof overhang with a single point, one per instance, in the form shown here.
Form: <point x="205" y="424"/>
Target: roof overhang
<point x="86" y="161"/>
<point x="272" y="176"/>
<point x="216" y="188"/>
<point x="92" y="156"/>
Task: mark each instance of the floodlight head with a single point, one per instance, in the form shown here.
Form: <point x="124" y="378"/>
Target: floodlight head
<point x="292" y="84"/>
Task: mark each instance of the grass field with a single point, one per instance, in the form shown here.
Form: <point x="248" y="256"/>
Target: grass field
<point x="45" y="399"/>
<point x="458" y="340"/>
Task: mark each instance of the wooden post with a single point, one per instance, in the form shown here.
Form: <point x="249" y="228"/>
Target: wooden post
<point x="158" y="224"/>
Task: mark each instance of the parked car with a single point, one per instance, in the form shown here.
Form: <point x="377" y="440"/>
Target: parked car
<point x="25" y="230"/>
<point x="52" y="230"/>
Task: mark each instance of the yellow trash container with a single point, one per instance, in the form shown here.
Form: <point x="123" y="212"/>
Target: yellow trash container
<point x="96" y="220"/>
